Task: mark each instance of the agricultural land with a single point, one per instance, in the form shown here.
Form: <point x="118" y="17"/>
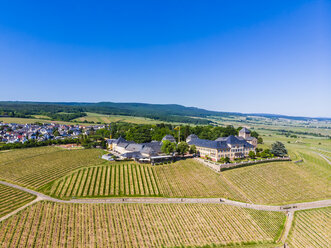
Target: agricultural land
<point x="138" y="225"/>
<point x="81" y="174"/>
<point x="12" y="199"/>
<point x="311" y="228"/>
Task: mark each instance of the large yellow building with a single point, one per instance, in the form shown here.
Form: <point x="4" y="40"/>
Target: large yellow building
<point x="232" y="146"/>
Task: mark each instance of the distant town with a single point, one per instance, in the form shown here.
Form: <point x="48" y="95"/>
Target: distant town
<point x="20" y="133"/>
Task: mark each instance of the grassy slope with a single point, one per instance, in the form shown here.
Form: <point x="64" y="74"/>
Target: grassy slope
<point x="138" y="225"/>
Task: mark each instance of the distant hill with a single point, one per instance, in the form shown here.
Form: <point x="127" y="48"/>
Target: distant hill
<point x="162" y="112"/>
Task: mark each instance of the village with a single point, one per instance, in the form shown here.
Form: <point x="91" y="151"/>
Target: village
<point x="11" y="133"/>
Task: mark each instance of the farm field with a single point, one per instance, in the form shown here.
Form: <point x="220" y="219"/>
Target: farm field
<point x="8" y="156"/>
<point x="182" y="179"/>
<point x="108" y="180"/>
<point x="189" y="178"/>
<point x="33" y="120"/>
<point x="81" y="173"/>
<point x="138" y="225"/>
<point x="42" y="165"/>
<point x="115" y="118"/>
<point x="311" y="228"/>
<point x="12" y="199"/>
<point x="284" y="182"/>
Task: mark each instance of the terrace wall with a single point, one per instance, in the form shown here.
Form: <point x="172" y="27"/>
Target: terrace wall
<point x="222" y="167"/>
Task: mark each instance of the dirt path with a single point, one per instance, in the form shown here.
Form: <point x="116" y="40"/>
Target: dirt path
<point x="156" y="200"/>
<point x="287" y="227"/>
<point x="19" y="209"/>
<point x="290" y="209"/>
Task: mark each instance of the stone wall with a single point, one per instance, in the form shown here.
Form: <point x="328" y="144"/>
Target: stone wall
<point x="222" y="167"/>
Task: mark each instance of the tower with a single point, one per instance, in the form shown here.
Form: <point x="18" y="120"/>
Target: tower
<point x="245" y="133"/>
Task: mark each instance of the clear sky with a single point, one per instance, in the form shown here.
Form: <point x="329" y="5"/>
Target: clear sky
<point x="245" y="56"/>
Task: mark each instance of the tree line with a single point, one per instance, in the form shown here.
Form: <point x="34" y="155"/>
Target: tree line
<point x="71" y="111"/>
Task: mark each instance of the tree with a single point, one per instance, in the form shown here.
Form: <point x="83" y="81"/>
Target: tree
<point x="278" y="149"/>
<point x="139" y="134"/>
<point x="182" y="148"/>
<point x="227" y="160"/>
<point x="259" y="140"/>
<point x="254" y="134"/>
<point x="251" y="154"/>
<point x="193" y="149"/>
<point x="265" y="154"/>
<point x="222" y="160"/>
<point x="56" y="132"/>
<point x="168" y="147"/>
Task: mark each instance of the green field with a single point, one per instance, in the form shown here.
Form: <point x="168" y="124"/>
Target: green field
<point x="138" y="225"/>
<point x="115" y="118"/>
<point x="12" y="199"/>
<point x="311" y="228"/>
<point x="36" y="167"/>
<point x="91" y="117"/>
<point x="33" y="120"/>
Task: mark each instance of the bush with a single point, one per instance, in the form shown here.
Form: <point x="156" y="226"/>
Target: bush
<point x="251" y="154"/>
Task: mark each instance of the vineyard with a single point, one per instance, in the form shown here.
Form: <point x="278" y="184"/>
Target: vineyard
<point x="111" y="180"/>
<point x="40" y="166"/>
<point x="281" y="183"/>
<point x="311" y="228"/>
<point x="9" y="156"/>
<point x="48" y="224"/>
<point x="189" y="178"/>
<point x="12" y="199"/>
<point x="181" y="179"/>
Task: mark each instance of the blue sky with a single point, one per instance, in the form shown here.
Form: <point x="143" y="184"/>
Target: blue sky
<point x="245" y="56"/>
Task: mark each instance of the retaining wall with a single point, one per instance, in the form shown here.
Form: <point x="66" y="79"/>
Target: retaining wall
<point x="222" y="167"/>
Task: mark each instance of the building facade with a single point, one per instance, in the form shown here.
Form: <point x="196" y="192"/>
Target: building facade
<point x="245" y="134"/>
<point x="150" y="151"/>
<point x="232" y="147"/>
